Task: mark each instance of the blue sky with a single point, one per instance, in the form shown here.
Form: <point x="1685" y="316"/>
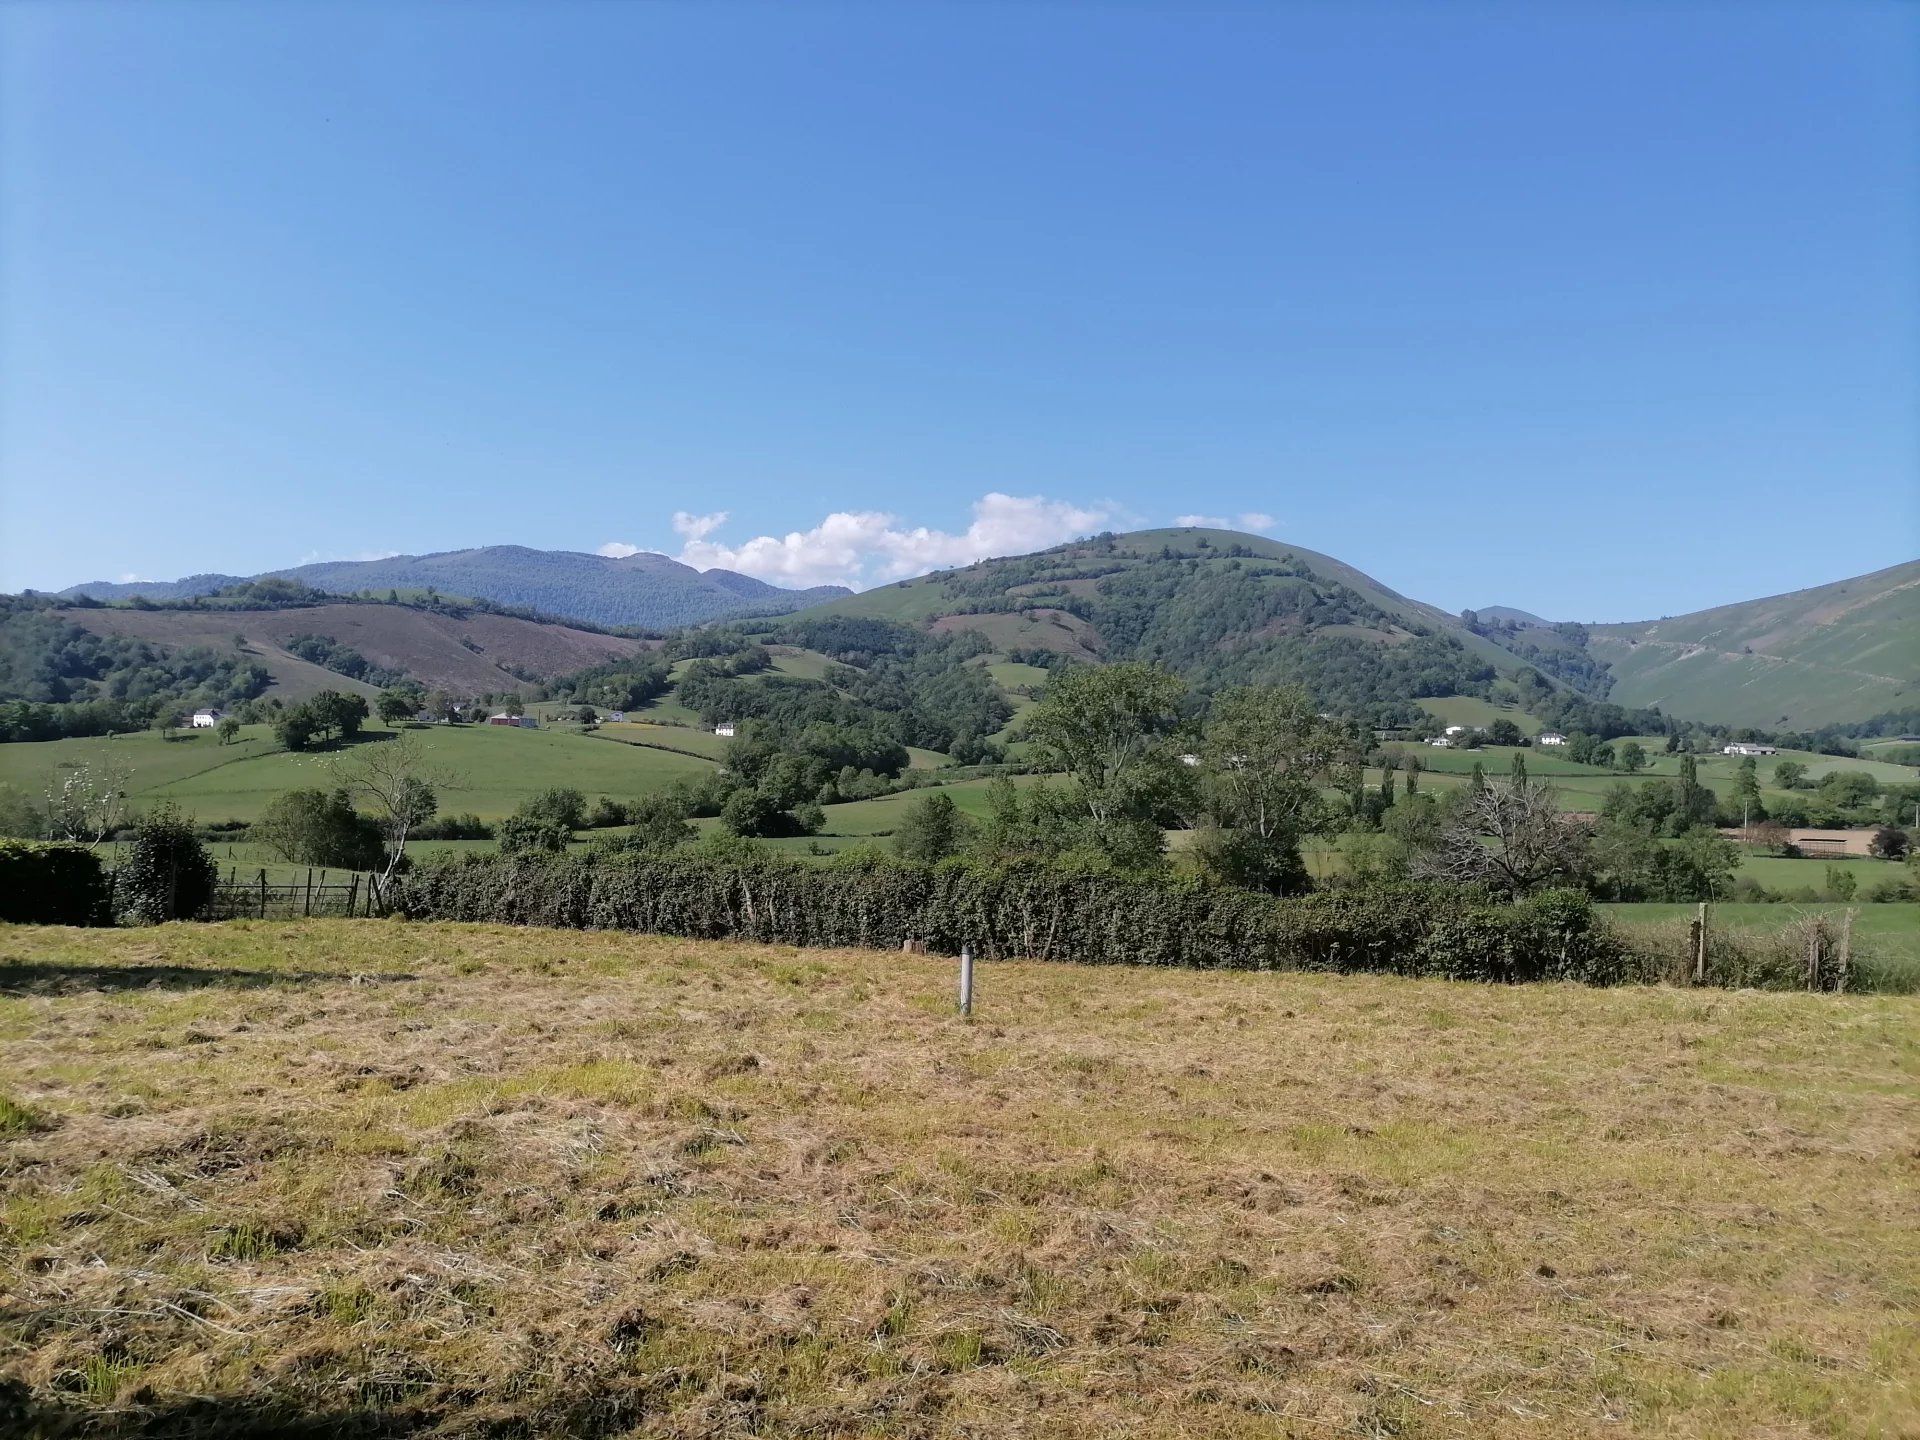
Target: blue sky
<point x="1606" y="312"/>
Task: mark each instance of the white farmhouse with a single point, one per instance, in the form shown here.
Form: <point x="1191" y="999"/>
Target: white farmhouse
<point x="1551" y="737"/>
<point x="724" y="728"/>
<point x="1749" y="747"/>
<point x="205" y="719"/>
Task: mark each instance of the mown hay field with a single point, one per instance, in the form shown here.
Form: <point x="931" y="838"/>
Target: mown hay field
<point x="383" y="1178"/>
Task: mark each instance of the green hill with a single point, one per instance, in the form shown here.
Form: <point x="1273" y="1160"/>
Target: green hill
<point x="1216" y="607"/>
<point x="1799" y="661"/>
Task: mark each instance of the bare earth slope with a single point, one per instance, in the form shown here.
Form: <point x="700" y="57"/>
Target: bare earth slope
<point x="381" y="1177"/>
<point x="474" y="653"/>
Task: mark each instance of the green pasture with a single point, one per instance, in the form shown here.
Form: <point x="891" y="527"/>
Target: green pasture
<point x="1012" y="676"/>
<point x="1778" y="873"/>
<point x="801" y="664"/>
<point x="866" y="818"/>
<point x="701" y="740"/>
<point x="494" y="768"/>
<point x="1472" y="710"/>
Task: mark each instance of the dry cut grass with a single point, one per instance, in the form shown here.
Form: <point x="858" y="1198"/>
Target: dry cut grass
<point x="379" y="1178"/>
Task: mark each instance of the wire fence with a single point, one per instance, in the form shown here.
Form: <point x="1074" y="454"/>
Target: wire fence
<point x="236" y="898"/>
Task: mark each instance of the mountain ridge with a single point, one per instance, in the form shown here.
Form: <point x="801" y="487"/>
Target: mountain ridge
<point x="645" y="589"/>
<point x="1225" y="607"/>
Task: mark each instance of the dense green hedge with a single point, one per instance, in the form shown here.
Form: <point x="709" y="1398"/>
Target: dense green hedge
<point x="1031" y="911"/>
<point x="42" y="884"/>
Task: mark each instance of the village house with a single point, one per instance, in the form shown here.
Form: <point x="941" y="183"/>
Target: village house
<point x="523" y="722"/>
<point x="1749" y="747"/>
<point x="1551" y="737"/>
<point x="724" y="728"/>
<point x="205" y="719"/>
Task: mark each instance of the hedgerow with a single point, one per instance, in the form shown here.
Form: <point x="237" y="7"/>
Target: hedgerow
<point x="1031" y="911"/>
<point x="52" y="884"/>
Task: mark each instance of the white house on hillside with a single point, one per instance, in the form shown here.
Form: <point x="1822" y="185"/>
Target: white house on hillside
<point x="1749" y="747"/>
<point x="1445" y="742"/>
<point x="1551" y="737"/>
<point x="725" y="727"/>
<point x="205" y="719"/>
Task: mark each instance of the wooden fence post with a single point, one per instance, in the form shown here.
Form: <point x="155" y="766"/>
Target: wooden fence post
<point x="308" y="910"/>
<point x="352" y="893"/>
<point x="263" y="892"/>
<point x="1846" y="953"/>
<point x="1697" y="932"/>
<point x="1816" y="936"/>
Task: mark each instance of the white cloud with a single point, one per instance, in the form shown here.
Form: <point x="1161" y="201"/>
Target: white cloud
<point x="865" y="547"/>
<point x="1255" y="520"/>
<point x="131" y="578"/>
<point x="617" y="550"/>
<point x="697" y="527"/>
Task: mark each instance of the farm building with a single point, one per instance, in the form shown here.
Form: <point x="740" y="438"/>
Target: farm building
<point x="523" y="722"/>
<point x="205" y="719"/>
<point x="1552" y="737"/>
<point x="1444" y="742"/>
<point x="725" y="727"/>
<point x="1749" y="747"/>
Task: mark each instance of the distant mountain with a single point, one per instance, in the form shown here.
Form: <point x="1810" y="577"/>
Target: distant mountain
<point x="643" y="589"/>
<point x="1828" y="655"/>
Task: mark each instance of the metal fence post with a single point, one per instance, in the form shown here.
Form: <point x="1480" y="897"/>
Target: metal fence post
<point x="966" y="981"/>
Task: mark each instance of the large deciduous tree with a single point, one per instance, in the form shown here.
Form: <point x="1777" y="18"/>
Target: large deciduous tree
<point x="1264" y="763"/>
<point x="1111" y="729"/>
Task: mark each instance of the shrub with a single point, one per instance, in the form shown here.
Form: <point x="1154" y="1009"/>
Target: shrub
<point x="565" y="807"/>
<point x="1027" y="910"/>
<point x="52" y="884"/>
<point x="748" y="812"/>
<point x="606" y="813"/>
<point x="167" y="874"/>
<point x="526" y="835"/>
<point x="453" y="827"/>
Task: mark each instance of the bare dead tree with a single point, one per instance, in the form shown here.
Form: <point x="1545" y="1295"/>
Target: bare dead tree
<point x="1510" y="838"/>
<point x="399" y="786"/>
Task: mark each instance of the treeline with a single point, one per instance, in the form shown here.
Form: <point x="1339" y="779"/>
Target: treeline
<point x="325" y="651"/>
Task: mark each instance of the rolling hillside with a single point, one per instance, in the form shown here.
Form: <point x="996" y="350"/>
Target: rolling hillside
<point x="476" y="653"/>
<point x="643" y="589"/>
<point x="1215" y="606"/>
<point x="1815" y="657"/>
